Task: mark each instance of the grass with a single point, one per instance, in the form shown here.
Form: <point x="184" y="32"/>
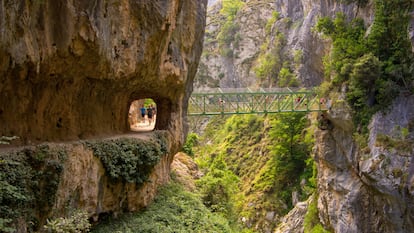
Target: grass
<point x="173" y="210"/>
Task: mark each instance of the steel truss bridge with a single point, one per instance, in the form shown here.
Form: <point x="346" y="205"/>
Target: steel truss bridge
<point x="247" y="101"/>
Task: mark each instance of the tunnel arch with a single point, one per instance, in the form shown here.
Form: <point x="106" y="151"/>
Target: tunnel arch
<point x="162" y="116"/>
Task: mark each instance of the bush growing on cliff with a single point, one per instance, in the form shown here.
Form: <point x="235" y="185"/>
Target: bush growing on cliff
<point x="228" y="35"/>
<point x="130" y="159"/>
<point x="311" y="222"/>
<point x="77" y="223"/>
<point x="283" y="172"/>
<point x="28" y="183"/>
<point x="375" y="67"/>
<point x="191" y="141"/>
<point x="270" y="60"/>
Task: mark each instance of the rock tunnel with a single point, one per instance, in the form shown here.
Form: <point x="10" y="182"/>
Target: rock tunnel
<point x="70" y="70"/>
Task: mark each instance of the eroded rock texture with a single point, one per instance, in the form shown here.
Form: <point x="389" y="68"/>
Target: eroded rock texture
<point x="290" y="38"/>
<point x="70" y="69"/>
<point x="368" y="189"/>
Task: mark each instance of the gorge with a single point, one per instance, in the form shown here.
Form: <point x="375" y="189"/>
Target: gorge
<point x="70" y="70"/>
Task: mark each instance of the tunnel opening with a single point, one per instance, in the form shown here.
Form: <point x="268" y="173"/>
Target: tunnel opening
<point x="142" y="115"/>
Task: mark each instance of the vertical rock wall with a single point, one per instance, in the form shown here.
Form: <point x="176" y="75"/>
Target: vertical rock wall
<point x="70" y="69"/>
<point x="368" y="189"/>
<point x="301" y="47"/>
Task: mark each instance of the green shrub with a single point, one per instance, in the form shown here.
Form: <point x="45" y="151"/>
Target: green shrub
<point x="191" y="141"/>
<point x="311" y="222"/>
<point x="271" y="22"/>
<point x="256" y="149"/>
<point x="76" y="223"/>
<point x="173" y="210"/>
<point x="4" y="223"/>
<point x="218" y="187"/>
<point x="376" y="67"/>
<point x="130" y="159"/>
<point x="28" y="184"/>
<point x="270" y="59"/>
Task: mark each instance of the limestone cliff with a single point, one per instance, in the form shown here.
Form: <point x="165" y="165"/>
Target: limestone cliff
<point x="362" y="188"/>
<point x="299" y="47"/>
<point x="368" y="189"/>
<point x="70" y="69"/>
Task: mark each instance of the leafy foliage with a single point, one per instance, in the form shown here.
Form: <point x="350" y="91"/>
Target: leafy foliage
<point x="248" y="147"/>
<point x="281" y="174"/>
<point x="271" y="21"/>
<point x="287" y="78"/>
<point x="231" y="7"/>
<point x="173" y="210"/>
<point x="270" y="60"/>
<point x="28" y="183"/>
<point x="130" y="159"/>
<point x="218" y="187"/>
<point x="375" y="67"/>
<point x="312" y="223"/>
<point x="228" y="37"/>
<point x="191" y="141"/>
<point x="76" y="223"/>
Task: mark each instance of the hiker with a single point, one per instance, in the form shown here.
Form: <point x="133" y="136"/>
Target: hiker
<point x="150" y="114"/>
<point x="154" y="112"/>
<point x="143" y="111"/>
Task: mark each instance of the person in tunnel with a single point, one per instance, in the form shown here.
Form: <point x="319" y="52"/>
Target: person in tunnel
<point x="150" y="112"/>
<point x="143" y="112"/>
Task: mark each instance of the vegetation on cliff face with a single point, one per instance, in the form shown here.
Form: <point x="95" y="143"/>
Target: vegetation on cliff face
<point x="173" y="210"/>
<point x="375" y="65"/>
<point x="254" y="166"/>
<point x="28" y="183"/>
<point x="274" y="65"/>
<point x="229" y="36"/>
<point x="30" y="178"/>
<point x="128" y="159"/>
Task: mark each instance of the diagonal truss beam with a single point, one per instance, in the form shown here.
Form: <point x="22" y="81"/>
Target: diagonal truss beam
<point x="244" y="101"/>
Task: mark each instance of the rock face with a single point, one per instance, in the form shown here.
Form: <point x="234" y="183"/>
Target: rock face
<point x="70" y="69"/>
<point x="368" y="189"/>
<point x="216" y="70"/>
<point x="85" y="184"/>
<point x="301" y="48"/>
<point x="361" y="189"/>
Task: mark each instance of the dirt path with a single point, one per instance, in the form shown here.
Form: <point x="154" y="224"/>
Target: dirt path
<point x="140" y="130"/>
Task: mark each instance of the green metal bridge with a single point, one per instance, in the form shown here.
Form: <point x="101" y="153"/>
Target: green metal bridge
<point x="247" y="101"/>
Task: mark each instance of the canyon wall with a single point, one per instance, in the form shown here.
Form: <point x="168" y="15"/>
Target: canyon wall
<point x="368" y="188"/>
<point x="361" y="188"/>
<point x="70" y="69"/>
<point x="299" y="46"/>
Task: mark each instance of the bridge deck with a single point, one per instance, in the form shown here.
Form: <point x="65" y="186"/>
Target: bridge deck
<point x="246" y="101"/>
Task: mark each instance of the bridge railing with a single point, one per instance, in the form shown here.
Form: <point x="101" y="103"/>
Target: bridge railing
<point x="248" y="101"/>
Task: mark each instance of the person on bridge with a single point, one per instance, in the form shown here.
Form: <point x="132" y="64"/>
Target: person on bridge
<point x="143" y="112"/>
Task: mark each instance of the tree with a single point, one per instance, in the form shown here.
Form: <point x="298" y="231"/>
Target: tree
<point x="362" y="88"/>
